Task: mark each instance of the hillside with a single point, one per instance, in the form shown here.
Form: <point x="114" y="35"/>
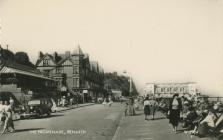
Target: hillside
<point x="114" y="81"/>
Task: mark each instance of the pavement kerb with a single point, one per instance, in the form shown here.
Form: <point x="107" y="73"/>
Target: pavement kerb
<point x="119" y="127"/>
<point x="79" y="106"/>
<point x="17" y="118"/>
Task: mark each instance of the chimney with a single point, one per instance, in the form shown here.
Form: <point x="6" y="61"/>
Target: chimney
<point x="55" y="56"/>
<point x="67" y="53"/>
<point x="40" y="54"/>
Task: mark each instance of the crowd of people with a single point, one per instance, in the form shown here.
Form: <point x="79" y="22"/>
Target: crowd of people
<point x="198" y="116"/>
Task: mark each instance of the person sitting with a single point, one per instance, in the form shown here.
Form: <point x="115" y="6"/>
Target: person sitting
<point x="207" y="126"/>
<point x="219" y="127"/>
<point x="191" y="116"/>
<point x="200" y="116"/>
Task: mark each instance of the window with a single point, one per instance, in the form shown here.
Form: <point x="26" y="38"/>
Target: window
<point x="58" y="70"/>
<point x="45" y="62"/>
<point x="168" y="89"/>
<point x="75" y="70"/>
<point x="46" y="72"/>
<point x="175" y="89"/>
<point x="75" y="82"/>
<point x="181" y="89"/>
<point x="162" y="89"/>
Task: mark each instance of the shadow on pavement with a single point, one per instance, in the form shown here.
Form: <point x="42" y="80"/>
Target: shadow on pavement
<point x="138" y="114"/>
<point x="28" y="129"/>
<point x="56" y="115"/>
<point x="44" y="117"/>
<point x="181" y="130"/>
<point x="160" y="118"/>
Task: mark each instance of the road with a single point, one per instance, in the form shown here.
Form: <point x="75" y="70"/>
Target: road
<point x="96" y="122"/>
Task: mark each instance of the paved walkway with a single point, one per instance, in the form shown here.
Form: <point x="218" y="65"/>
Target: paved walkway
<point x="135" y="127"/>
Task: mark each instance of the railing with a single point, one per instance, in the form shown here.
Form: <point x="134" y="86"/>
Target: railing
<point x="217" y="99"/>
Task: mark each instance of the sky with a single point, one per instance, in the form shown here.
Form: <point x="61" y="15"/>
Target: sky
<point x="153" y="40"/>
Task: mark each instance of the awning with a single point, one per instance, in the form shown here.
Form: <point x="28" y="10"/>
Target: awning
<point x="5" y="70"/>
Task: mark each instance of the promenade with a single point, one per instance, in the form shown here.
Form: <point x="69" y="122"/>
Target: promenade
<point x="136" y="128"/>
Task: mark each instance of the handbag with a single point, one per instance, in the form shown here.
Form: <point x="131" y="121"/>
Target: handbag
<point x="3" y="117"/>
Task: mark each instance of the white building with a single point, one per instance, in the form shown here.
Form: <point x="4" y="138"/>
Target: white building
<point x="168" y="89"/>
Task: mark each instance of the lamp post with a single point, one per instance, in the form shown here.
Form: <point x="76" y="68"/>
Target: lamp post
<point x="130" y="82"/>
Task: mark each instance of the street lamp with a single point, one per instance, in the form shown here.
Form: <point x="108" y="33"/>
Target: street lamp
<point x="130" y="82"/>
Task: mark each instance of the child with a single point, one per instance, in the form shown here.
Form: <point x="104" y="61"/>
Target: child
<point x="126" y="107"/>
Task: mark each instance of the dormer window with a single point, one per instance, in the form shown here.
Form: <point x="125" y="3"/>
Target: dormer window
<point x="45" y="62"/>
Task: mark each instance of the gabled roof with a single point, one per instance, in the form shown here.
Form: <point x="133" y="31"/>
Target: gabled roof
<point x="63" y="60"/>
<point x="86" y="56"/>
<point x="45" y="55"/>
<point x="7" y="69"/>
<point x="20" y="67"/>
<point x="14" y="67"/>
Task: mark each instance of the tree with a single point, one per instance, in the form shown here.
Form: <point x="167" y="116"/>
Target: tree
<point x="23" y="58"/>
<point x="6" y="54"/>
<point x="115" y="81"/>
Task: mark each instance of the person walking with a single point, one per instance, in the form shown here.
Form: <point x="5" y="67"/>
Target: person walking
<point x="71" y="101"/>
<point x="11" y="102"/>
<point x="63" y="101"/>
<point x="146" y="107"/>
<point x="8" y="121"/>
<point x="131" y="106"/>
<point x="110" y="101"/>
<point x="153" y="106"/>
<point x="104" y="102"/>
<point x="174" y="111"/>
<point x="126" y="108"/>
<point x="77" y="101"/>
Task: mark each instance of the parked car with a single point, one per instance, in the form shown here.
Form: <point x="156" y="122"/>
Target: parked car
<point x="38" y="108"/>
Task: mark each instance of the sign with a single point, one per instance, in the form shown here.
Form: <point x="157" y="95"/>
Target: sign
<point x="63" y="89"/>
<point x="30" y="92"/>
<point x="117" y="93"/>
<point x="85" y="91"/>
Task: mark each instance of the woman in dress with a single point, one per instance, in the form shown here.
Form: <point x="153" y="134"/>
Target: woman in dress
<point x="146" y="107"/>
<point x="174" y="111"/>
<point x="153" y="106"/>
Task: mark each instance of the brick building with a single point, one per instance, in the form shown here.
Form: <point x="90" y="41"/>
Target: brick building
<point x="82" y="75"/>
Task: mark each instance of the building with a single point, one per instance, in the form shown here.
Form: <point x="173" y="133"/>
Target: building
<point x="74" y="71"/>
<point x="117" y="94"/>
<point x="168" y="89"/>
<point x="23" y="81"/>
